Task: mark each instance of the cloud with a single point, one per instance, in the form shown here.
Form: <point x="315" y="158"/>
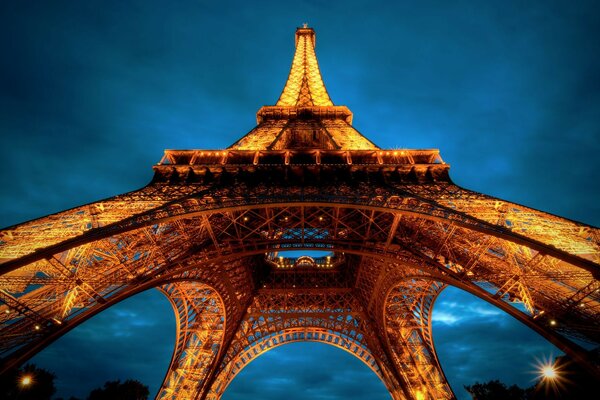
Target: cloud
<point x="483" y="343"/>
<point x="301" y="370"/>
<point x="134" y="339"/>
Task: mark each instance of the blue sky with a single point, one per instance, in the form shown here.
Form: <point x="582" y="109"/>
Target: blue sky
<point x="91" y="93"/>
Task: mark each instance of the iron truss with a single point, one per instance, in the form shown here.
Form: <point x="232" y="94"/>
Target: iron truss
<point x="212" y="229"/>
<point x="394" y="247"/>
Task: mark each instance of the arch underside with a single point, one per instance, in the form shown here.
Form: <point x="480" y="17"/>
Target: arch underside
<point x="400" y="244"/>
<point x="294" y="335"/>
<point x="335" y="324"/>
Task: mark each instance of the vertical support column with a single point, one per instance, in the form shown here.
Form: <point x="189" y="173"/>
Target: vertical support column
<point x="200" y="317"/>
<point x="407" y="321"/>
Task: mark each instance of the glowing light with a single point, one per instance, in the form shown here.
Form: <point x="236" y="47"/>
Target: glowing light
<point x="245" y="218"/>
<point x="304" y="75"/>
<point x="26" y="380"/>
<point x="548" y="372"/>
<point x="552" y="322"/>
<point x="37" y="327"/>
<point x="7" y="311"/>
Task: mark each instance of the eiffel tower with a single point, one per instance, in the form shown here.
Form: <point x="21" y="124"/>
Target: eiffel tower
<point x="382" y="233"/>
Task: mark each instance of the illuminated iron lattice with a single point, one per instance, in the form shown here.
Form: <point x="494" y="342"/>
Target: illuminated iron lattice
<point x="212" y="229"/>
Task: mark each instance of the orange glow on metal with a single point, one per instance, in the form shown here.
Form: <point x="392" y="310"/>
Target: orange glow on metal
<point x="304" y="86"/>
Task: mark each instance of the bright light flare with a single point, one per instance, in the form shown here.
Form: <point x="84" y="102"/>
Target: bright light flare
<point x="550" y="376"/>
<point x="548" y="372"/>
<point x="26" y="380"/>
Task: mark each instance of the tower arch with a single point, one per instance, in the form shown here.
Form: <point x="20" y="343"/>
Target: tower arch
<point x="307" y="367"/>
<point x="315" y="334"/>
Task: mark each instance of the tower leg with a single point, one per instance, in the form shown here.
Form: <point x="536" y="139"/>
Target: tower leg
<point x="407" y="322"/>
<point x="200" y="327"/>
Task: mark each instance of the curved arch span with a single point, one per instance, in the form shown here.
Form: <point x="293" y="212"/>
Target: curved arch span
<point x="294" y="335"/>
<point x="162" y="284"/>
<point x="423" y="307"/>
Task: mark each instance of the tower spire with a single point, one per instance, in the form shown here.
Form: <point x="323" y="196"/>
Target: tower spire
<point x="304" y="116"/>
<point x="304" y="86"/>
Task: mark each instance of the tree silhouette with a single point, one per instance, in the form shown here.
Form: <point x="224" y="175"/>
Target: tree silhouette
<point x="496" y="390"/>
<point x="115" y="390"/>
<point x="27" y="383"/>
<point x="572" y="382"/>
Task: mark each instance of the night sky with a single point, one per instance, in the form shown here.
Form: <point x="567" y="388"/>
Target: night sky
<point x="91" y="93"/>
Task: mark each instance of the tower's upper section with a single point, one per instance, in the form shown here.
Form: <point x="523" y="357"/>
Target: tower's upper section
<point x="304" y="86"/>
<point x="302" y="139"/>
<point x="304" y="117"/>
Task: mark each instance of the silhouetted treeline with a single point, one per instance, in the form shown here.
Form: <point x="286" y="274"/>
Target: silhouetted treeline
<point x="571" y="382"/>
<point x="33" y="383"/>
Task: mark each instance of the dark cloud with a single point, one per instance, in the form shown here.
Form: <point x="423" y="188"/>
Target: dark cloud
<point x="477" y="342"/>
<point x="133" y="339"/>
<point x="291" y="372"/>
<point x="91" y="93"/>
